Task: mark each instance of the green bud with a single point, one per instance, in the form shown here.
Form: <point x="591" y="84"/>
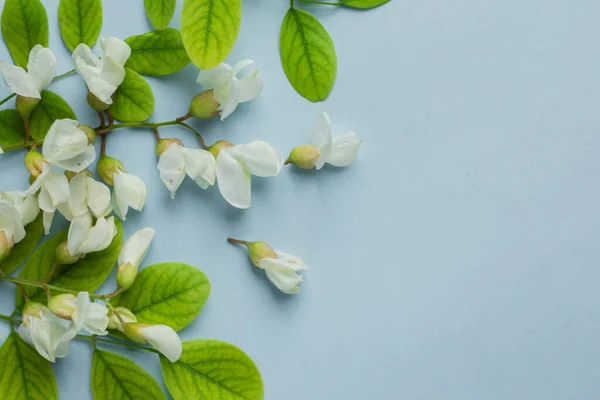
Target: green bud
<point x="204" y="105"/>
<point x="95" y="102"/>
<point x="32" y="309"/>
<point x="216" y="148"/>
<point x="32" y="179"/>
<point x="89" y="132"/>
<point x="126" y="275"/>
<point x="304" y="156"/>
<point x="108" y="167"/>
<point x="164" y="144"/>
<point x="126" y="316"/>
<point x="25" y="105"/>
<point x="132" y="331"/>
<point x="62" y="255"/>
<point x="259" y="250"/>
<point x="62" y="305"/>
<point x="34" y="161"/>
<point x="5" y="245"/>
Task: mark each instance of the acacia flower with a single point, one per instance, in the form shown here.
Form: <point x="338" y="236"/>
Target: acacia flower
<point x="236" y="164"/>
<point x="85" y="314"/>
<point x="41" y="69"/>
<point x="228" y="90"/>
<point x="177" y="161"/>
<point x="102" y="75"/>
<point x="68" y="146"/>
<point x="12" y="230"/>
<point x="87" y="195"/>
<point x="83" y="238"/>
<point x="26" y="206"/>
<point x="163" y="338"/>
<point x="132" y="254"/>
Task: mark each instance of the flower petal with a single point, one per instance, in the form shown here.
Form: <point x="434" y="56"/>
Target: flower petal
<point x="217" y="76"/>
<point x="135" y="248"/>
<point x="57" y="187"/>
<point x="259" y="158"/>
<point x="19" y="81"/>
<point x="165" y="340"/>
<point x="10" y="221"/>
<point x="41" y="66"/>
<point x="130" y="191"/>
<point x="98" y="197"/>
<point x="78" y="195"/>
<point x="233" y="179"/>
<point x="344" y="150"/>
<point x="281" y="275"/>
<point x="230" y="101"/>
<point x="100" y="236"/>
<point x="322" y="138"/>
<point x="251" y="86"/>
<point x="201" y="166"/>
<point x="115" y="50"/>
<point x="78" y="232"/>
<point x="299" y="265"/>
<point x="172" y="168"/>
<point x="47" y="219"/>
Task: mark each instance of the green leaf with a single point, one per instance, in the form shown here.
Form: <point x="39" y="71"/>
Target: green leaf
<point x="170" y="293"/>
<point x="86" y="274"/>
<point x="12" y="129"/>
<point x="209" y="29"/>
<point x="134" y="100"/>
<point x="117" y="377"/>
<point x="24" y="24"/>
<point x="308" y="55"/>
<point x="212" y="370"/>
<point x="157" y="52"/>
<point x="160" y="12"/>
<point x="24" y="374"/>
<point x="363" y="3"/>
<point x="25" y="247"/>
<point x="80" y="21"/>
<point x="50" y="108"/>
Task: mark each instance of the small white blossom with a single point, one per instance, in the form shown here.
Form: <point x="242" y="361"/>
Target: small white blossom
<point x="161" y="337"/>
<point x="89" y="316"/>
<point x="177" y="161"/>
<point x="53" y="190"/>
<point x="41" y="69"/>
<point x="339" y="152"/>
<point x="136" y="247"/>
<point x="26" y="206"/>
<point x="283" y="270"/>
<point x="228" y="90"/>
<point x="87" y="195"/>
<point x="129" y="192"/>
<point x="83" y="238"/>
<point x="102" y="75"/>
<point x="12" y="230"/>
<point x="68" y="147"/>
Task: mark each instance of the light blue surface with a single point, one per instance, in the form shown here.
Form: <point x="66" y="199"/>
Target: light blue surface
<point x="456" y="259"/>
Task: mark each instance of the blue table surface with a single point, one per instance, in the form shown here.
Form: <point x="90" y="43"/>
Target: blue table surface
<point x="456" y="259"/>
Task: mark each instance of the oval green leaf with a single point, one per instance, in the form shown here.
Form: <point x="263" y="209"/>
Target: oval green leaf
<point x="363" y="3"/>
<point x="24" y="24"/>
<point x="172" y="294"/>
<point x="157" y="52"/>
<point x="86" y="274"/>
<point x="212" y="370"/>
<point x="12" y="129"/>
<point x="80" y="21"/>
<point x="307" y="55"/>
<point x="117" y="377"/>
<point x="160" y="12"/>
<point x="24" y="374"/>
<point x="209" y="29"/>
<point x="25" y="247"/>
<point x="50" y="108"/>
<point x="134" y="100"/>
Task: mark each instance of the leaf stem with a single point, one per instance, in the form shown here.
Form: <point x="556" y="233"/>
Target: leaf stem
<point x="6" y="317"/>
<point x="237" y="241"/>
<point x="45" y="286"/>
<point x="323" y="2"/>
<point x="7" y="98"/>
<point x="117" y="343"/>
<point x="291" y="3"/>
<point x="65" y="74"/>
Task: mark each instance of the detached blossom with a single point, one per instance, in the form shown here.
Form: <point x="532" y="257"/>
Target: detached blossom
<point x="53" y="190"/>
<point x="236" y="164"/>
<point x="339" y="152"/>
<point x="12" y="230"/>
<point x="26" y="206"/>
<point x="132" y="254"/>
<point x="89" y="316"/>
<point x="49" y="334"/>
<point x="41" y="69"/>
<point x="177" y="161"/>
<point x="102" y="75"/>
<point x="228" y="90"/>
<point x="67" y="146"/>
<point x="161" y="337"/>
<point x="130" y="192"/>
<point x="87" y="195"/>
<point x="83" y="238"/>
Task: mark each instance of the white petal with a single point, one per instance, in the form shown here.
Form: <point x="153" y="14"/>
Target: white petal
<point x="37" y="184"/>
<point x="113" y="74"/>
<point x="201" y="166"/>
<point x="250" y="85"/>
<point x="232" y="99"/>
<point x="86" y="57"/>
<point x="298" y="264"/>
<point x="64" y="141"/>
<point x="130" y="191"/>
<point x="98" y="197"/>
<point x="57" y="186"/>
<point x="100" y="236"/>
<point x="10" y="221"/>
<point x="165" y="340"/>
<point x="116" y="50"/>
<point x="234" y="180"/>
<point x="218" y="76"/>
<point x="282" y="275"/>
<point x="47" y="218"/>
<point x="41" y="66"/>
<point x="92" y="317"/>
<point x="26" y="206"/>
<point x="344" y="150"/>
<point x="78" y="232"/>
<point x="171" y="165"/>
<point x="322" y="138"/>
<point x="78" y="198"/>
<point x="80" y="162"/>
<point x="259" y="158"/>
<point x="135" y="248"/>
<point x="19" y="81"/>
<point x="237" y="68"/>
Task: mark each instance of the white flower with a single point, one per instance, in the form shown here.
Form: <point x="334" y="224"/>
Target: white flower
<point x="228" y="90"/>
<point x="283" y="271"/>
<point x="161" y="337"/>
<point x="54" y="191"/>
<point x="102" y="75"/>
<point x="12" y="230"/>
<point x="66" y="146"/>
<point x="1" y="151"/>
<point x="177" y="161"/>
<point x="340" y="152"/>
<point x="135" y="248"/>
<point x="236" y="164"/>
<point x="41" y="69"/>
<point x="49" y="334"/>
<point x="26" y="206"/>
<point x="129" y="191"/>
<point x="83" y="238"/>
<point x="87" y="195"/>
<point x="89" y="316"/>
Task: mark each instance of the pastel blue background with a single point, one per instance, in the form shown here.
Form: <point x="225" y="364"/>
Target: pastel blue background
<point x="456" y="259"/>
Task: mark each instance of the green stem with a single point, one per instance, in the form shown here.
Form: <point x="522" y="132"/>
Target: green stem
<point x="324" y="3"/>
<point x="42" y="285"/>
<point x="117" y="343"/>
<point x="65" y="74"/>
<point x="156" y="125"/>
<point x="7" y="98"/>
<point x="291" y="3"/>
<point x="6" y="317"/>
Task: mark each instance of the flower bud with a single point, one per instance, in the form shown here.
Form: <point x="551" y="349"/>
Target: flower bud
<point x="304" y="156"/>
<point x="25" y="105"/>
<point x="32" y="309"/>
<point x="5" y="245"/>
<point x="108" y="167"/>
<point x="216" y="148"/>
<point x="204" y="105"/>
<point x="259" y="250"/>
<point x="62" y="255"/>
<point x="62" y="305"/>
<point x="126" y="275"/>
<point x="89" y="132"/>
<point x="164" y="144"/>
<point x="95" y="102"/>
<point x="34" y="161"/>
<point x="133" y="331"/>
<point x="114" y="321"/>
